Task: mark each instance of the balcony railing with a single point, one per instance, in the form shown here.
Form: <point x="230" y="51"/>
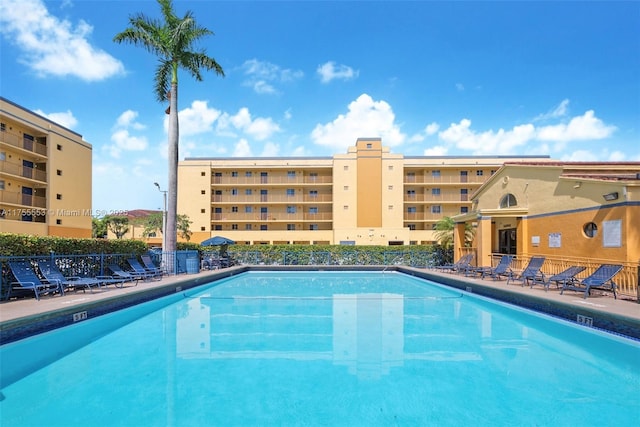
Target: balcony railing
<point x="271" y="179"/>
<point x="272" y="216"/>
<point x="444" y="197"/>
<point x="23" y="171"/>
<point x="270" y="198"/>
<point x="23" y="200"/>
<point x="26" y="144"/>
<point x="445" y="179"/>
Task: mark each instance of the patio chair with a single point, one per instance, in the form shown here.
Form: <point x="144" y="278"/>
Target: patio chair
<point x="566" y="276"/>
<point x="461" y="265"/>
<point x="502" y="269"/>
<point x="602" y="279"/>
<point x="149" y="265"/>
<point x="52" y="273"/>
<point x="127" y="276"/>
<point x="27" y="281"/>
<point x="530" y="273"/>
<point x="145" y="272"/>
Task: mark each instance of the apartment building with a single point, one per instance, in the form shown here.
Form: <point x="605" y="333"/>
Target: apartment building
<point x="368" y="196"/>
<point x="45" y="176"/>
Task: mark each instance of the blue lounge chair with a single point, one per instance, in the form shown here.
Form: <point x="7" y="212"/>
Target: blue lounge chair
<point x="28" y="281"/>
<point x="149" y="265"/>
<point x="530" y="273"/>
<point x="52" y="273"/>
<point x="566" y="276"/>
<point x="127" y="276"/>
<point x="145" y="272"/>
<point x="502" y="269"/>
<point x="602" y="278"/>
<point x="461" y="265"/>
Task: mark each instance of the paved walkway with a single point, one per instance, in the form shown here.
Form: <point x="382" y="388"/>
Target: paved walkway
<point x="29" y="309"/>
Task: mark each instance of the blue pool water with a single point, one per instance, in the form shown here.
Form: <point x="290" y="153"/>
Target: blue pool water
<point x="323" y="348"/>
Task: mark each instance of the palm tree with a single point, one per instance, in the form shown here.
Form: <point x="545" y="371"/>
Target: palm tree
<point x="444" y="233"/>
<point x="172" y="41"/>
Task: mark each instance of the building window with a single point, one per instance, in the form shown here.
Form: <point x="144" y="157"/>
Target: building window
<point x="313" y="227"/>
<point x="390" y="207"/>
<point x="202" y="229"/>
<point x="3" y="127"/>
<point x="58" y="222"/>
<point x="203" y="174"/>
<point x="234" y="226"/>
<point x="234" y="191"/>
<point x="412" y="209"/>
<point x="508" y="201"/>
<point x="203" y="191"/>
<point x="1" y="184"/>
<point x="435" y="191"/>
<point x="390" y="167"/>
<point x="234" y="209"/>
<point x="479" y="173"/>
<point x="411" y="194"/>
<point x="313" y="176"/>
<point x="346" y="167"/>
<point x="291" y="209"/>
<point x="3" y="156"/>
<point x="248" y="209"/>
<point x="248" y="174"/>
<point x="248" y="192"/>
<point x="435" y="174"/>
<point x="59" y="196"/>
<point x="412" y="226"/>
<point x="345" y="207"/>
<point x="313" y="194"/>
<point x="291" y="192"/>
<point x="590" y="230"/>
<point x="436" y="209"/>
<point x="247" y="227"/>
<point x="234" y="174"/>
<point x="59" y="147"/>
<point x="291" y="174"/>
<point x="59" y="172"/>
<point x="263" y="227"/>
<point x="464" y="209"/>
<point x="411" y="176"/>
<point x="291" y="227"/>
<point x="345" y="188"/>
<point x="390" y="187"/>
<point x="313" y="210"/>
<point x="202" y="211"/>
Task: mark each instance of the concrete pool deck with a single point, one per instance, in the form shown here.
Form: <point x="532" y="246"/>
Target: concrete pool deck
<point x="25" y="317"/>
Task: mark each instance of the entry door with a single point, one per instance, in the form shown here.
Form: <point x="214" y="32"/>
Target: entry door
<point x="264" y="213"/>
<point x="27" y="198"/>
<point x="507" y="241"/>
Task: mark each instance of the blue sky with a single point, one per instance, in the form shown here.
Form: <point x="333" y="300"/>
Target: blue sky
<point x="308" y="78"/>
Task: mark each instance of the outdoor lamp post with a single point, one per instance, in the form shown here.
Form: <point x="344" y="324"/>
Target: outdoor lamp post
<point x="164" y="217"/>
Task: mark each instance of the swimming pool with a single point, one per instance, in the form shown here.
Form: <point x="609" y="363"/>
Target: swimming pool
<point x="324" y="348"/>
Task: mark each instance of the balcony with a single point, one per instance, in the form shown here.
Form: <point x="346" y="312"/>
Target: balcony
<point x="445" y="179"/>
<point x="229" y="181"/>
<point x="271" y="198"/>
<point x="21" y="171"/>
<point x="443" y="197"/>
<point x="272" y="217"/>
<point x="18" y="141"/>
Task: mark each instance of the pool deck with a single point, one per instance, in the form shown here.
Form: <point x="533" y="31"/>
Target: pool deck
<point x="24" y="317"/>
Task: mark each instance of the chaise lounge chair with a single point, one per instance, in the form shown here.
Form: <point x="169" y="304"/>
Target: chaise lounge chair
<point x="145" y="272"/>
<point x="566" y="276"/>
<point x="530" y="273"/>
<point x="52" y="273"/>
<point x="502" y="269"/>
<point x="28" y="281"/>
<point x="461" y="265"/>
<point x="602" y="278"/>
<point x="127" y="276"/>
<point x="149" y="265"/>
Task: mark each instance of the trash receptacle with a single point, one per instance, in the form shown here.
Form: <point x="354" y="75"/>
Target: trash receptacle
<point x="192" y="266"/>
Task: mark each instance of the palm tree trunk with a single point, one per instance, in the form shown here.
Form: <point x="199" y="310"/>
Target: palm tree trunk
<point x="172" y="204"/>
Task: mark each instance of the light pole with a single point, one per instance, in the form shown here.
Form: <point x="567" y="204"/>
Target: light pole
<point x="164" y="217"/>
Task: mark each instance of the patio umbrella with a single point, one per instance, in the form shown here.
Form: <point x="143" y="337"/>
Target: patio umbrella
<point x="217" y="241"/>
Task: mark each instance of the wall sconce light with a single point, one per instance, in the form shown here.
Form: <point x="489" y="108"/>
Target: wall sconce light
<point x="610" y="196"/>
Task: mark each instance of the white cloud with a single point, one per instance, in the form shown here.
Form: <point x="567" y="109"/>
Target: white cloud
<point x="123" y="141"/>
<point x="127" y="119"/>
<point x="242" y="149"/>
<point x="432" y="129"/>
<point x="259" y="128"/>
<point x="438" y="150"/>
<point x="365" y="118"/>
<point x="65" y="119"/>
<point x="330" y="71"/>
<point x="559" y="111"/>
<point x="580" y="128"/>
<point x="51" y="46"/>
<point x="262" y="76"/>
<point x="196" y="119"/>
<point x="501" y="142"/>
<point x="270" y="149"/>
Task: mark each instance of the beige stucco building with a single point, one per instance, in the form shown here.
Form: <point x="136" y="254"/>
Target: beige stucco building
<point x="368" y="196"/>
<point x="571" y="213"/>
<point x="45" y="176"/>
